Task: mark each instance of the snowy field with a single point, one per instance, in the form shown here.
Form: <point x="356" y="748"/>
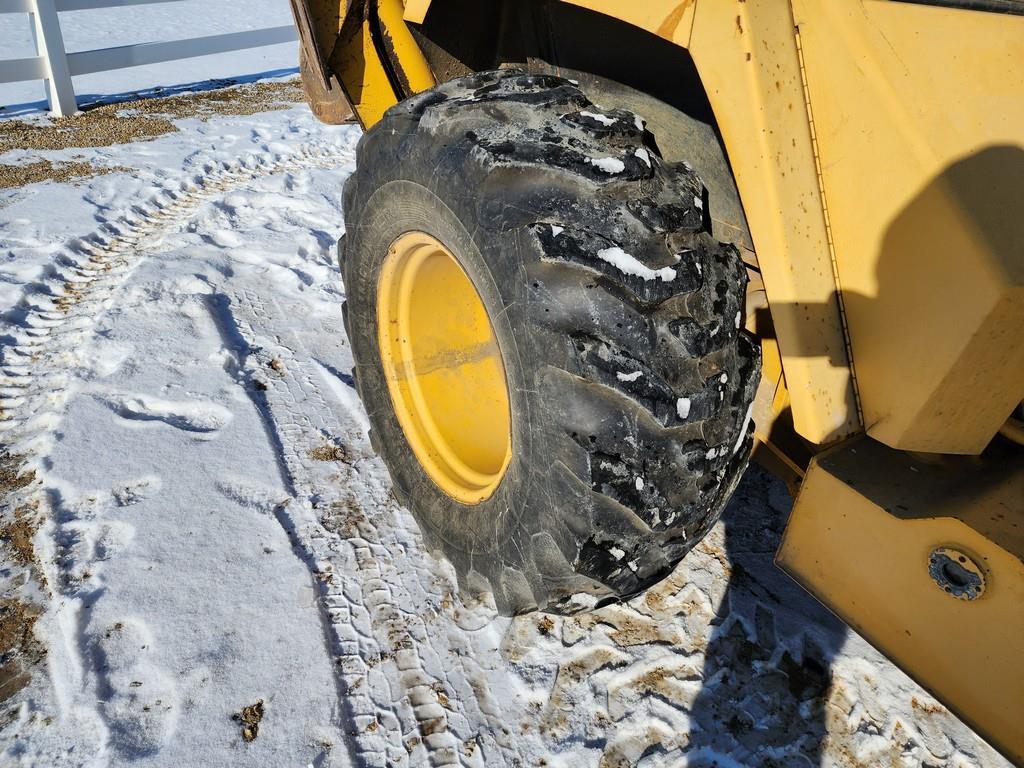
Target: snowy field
<point x="216" y="533"/>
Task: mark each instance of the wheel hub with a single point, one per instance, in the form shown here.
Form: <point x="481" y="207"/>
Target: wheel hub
<point x="443" y="368"/>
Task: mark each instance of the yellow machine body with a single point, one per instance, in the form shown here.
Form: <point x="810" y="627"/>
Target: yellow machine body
<point x="870" y="520"/>
<point x="877" y="148"/>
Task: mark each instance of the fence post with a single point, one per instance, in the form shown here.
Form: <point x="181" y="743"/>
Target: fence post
<point x="60" y="92"/>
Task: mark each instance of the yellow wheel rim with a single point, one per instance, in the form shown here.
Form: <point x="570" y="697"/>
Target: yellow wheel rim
<point x="443" y="368"/>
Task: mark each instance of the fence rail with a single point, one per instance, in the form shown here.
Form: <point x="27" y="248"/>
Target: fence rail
<point x="56" y="66"/>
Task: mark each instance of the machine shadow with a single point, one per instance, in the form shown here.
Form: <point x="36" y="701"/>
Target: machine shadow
<point x="767" y="666"/>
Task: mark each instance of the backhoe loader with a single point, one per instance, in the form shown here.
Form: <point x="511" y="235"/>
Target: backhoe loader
<point x="598" y="253"/>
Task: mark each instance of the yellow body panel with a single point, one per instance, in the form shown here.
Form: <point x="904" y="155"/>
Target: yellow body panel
<point x="669" y="19"/>
<point x="919" y="117"/>
<point x="747" y="57"/>
<point x="416" y="10"/>
<point x="871" y="566"/>
<point x="443" y="368"/>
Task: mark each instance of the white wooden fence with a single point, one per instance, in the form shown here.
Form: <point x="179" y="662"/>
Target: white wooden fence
<point x="54" y="65"/>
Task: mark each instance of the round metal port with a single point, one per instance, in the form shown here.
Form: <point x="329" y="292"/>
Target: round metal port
<point x="956" y="573"/>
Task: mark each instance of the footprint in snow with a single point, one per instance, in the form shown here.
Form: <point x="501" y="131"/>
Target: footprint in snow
<point x="108" y="356"/>
<point x="81" y="544"/>
<point x="140" y="702"/>
<point x="224" y="238"/>
<point x="259" y="498"/>
<point x="111" y="538"/>
<point x="133" y="491"/>
<point x="187" y="415"/>
<point x="90" y="505"/>
<point x="142" y="710"/>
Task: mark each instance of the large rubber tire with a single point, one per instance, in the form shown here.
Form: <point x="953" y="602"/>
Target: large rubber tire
<point x="617" y="315"/>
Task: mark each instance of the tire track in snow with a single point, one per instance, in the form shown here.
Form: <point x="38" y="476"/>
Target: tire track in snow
<point x="721" y="663"/>
<point x="57" y="313"/>
<point x="46" y="340"/>
<point x="414" y="699"/>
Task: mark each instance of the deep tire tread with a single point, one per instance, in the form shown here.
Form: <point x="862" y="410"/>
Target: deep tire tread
<point x="647" y="378"/>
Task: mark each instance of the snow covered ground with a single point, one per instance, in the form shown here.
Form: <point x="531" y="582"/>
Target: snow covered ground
<point x="216" y="531"/>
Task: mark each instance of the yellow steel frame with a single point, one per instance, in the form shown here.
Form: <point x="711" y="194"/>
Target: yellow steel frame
<point x="344" y="40"/>
<point x="414" y="70"/>
<point x="362" y="73"/>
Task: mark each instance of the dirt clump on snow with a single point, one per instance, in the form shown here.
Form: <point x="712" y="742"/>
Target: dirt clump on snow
<point x="249" y="718"/>
<point x="44" y="170"/>
<point x="328" y="452"/>
<point x="11" y="476"/>
<point x="20" y="651"/>
<point x="16" y="535"/>
<point x="122" y="122"/>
